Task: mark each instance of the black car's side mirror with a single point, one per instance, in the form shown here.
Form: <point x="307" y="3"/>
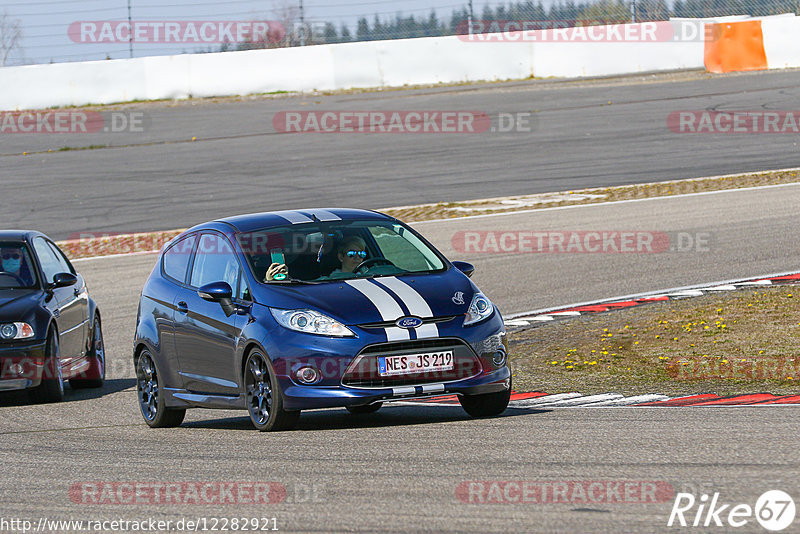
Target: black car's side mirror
<point x="220" y="292"/>
<point x="64" y="280"/>
<point x="464" y="267"/>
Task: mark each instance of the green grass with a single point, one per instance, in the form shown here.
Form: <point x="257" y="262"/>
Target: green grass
<point x="744" y="341"/>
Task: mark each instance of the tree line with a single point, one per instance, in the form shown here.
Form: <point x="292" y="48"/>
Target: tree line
<point x="581" y="13"/>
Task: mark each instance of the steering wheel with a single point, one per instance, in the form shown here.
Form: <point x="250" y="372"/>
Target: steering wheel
<point x="366" y="264"/>
<point x="19" y="279"/>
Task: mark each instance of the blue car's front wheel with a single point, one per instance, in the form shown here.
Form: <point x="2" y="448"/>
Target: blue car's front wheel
<point x="264" y="398"/>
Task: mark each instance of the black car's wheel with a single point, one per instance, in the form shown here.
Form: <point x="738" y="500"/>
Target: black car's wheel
<point x="95" y="375"/>
<point x="368" y="408"/>
<point x="151" y="401"/>
<point x="51" y="389"/>
<point x="487" y="404"/>
<point x="264" y="398"/>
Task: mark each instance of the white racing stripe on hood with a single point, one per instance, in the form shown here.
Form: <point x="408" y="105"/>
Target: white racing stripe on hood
<point x="414" y="302"/>
<point x="388" y="308"/>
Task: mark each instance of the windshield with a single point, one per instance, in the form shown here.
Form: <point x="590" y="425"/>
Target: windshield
<point x="16" y="268"/>
<point x="326" y="251"/>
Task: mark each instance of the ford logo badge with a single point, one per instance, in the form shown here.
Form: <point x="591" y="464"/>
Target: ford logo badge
<point x="409" y="322"/>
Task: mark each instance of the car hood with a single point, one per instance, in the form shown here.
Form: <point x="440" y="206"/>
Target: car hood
<point x="385" y="298"/>
<point x="17" y="303"/>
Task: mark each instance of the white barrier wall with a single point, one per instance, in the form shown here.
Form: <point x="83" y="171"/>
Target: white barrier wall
<point x="430" y="60"/>
<point x="781" y="42"/>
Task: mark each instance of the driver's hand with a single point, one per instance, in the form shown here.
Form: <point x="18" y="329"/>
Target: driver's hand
<point x="274" y="269"/>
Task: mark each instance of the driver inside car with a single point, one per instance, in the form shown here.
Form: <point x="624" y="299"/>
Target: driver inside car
<point x="13" y="262"/>
<point x="352" y="251"/>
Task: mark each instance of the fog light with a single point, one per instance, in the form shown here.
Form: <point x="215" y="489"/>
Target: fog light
<point x="499" y="358"/>
<point x="308" y="375"/>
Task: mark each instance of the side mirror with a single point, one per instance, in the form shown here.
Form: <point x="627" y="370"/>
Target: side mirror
<point x="464" y="267"/>
<point x="220" y="292"/>
<point x="64" y="280"/>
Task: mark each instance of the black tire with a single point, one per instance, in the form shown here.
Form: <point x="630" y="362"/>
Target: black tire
<point x="367" y="408"/>
<point x="51" y="388"/>
<point x="151" y="401"/>
<point x="95" y="375"/>
<point x="487" y="404"/>
<point x="263" y="396"/>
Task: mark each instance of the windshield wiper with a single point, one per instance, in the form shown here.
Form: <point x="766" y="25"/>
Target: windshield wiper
<point x="289" y="281"/>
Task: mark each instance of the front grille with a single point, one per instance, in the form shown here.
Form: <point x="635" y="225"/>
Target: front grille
<point x="363" y="371"/>
<point x="429" y="320"/>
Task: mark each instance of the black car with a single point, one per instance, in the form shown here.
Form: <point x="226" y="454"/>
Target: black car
<point x="49" y="325"/>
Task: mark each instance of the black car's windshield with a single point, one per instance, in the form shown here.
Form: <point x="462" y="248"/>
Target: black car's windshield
<point x="326" y="251"/>
<point x="16" y="268"/>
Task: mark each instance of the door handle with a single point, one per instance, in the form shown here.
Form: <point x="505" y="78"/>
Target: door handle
<point x="183" y="307"/>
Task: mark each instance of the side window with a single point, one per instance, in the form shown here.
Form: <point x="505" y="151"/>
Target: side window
<point x="176" y="258"/>
<point x="215" y="262"/>
<point x="66" y="266"/>
<point x="47" y="257"/>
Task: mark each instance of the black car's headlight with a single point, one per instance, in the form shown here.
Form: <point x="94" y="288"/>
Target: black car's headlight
<point x="311" y="322"/>
<point x="12" y="331"/>
<point x="479" y="309"/>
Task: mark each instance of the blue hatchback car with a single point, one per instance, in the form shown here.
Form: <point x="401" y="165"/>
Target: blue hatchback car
<point x="291" y="310"/>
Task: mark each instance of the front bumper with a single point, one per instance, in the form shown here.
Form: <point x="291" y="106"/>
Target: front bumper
<point x="311" y="397"/>
<point x="21" y="365"/>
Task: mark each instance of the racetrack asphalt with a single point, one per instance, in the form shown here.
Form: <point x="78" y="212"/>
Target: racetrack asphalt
<point x="398" y="470"/>
<point x="584" y="134"/>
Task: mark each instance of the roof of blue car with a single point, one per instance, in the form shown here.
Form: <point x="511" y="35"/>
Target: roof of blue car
<point x="258" y="221"/>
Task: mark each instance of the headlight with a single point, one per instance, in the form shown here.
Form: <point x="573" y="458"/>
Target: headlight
<point x="15" y="331"/>
<point x="479" y="309"/>
<point x="311" y="322"/>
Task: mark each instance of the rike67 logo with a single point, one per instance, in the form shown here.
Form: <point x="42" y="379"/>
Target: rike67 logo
<point x="774" y="510"/>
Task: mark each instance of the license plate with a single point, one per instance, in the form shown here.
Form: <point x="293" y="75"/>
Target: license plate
<point x="415" y="363"/>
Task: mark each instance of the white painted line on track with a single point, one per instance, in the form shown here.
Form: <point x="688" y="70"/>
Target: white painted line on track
<point x="650" y="294"/>
<point x="613" y="202"/>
